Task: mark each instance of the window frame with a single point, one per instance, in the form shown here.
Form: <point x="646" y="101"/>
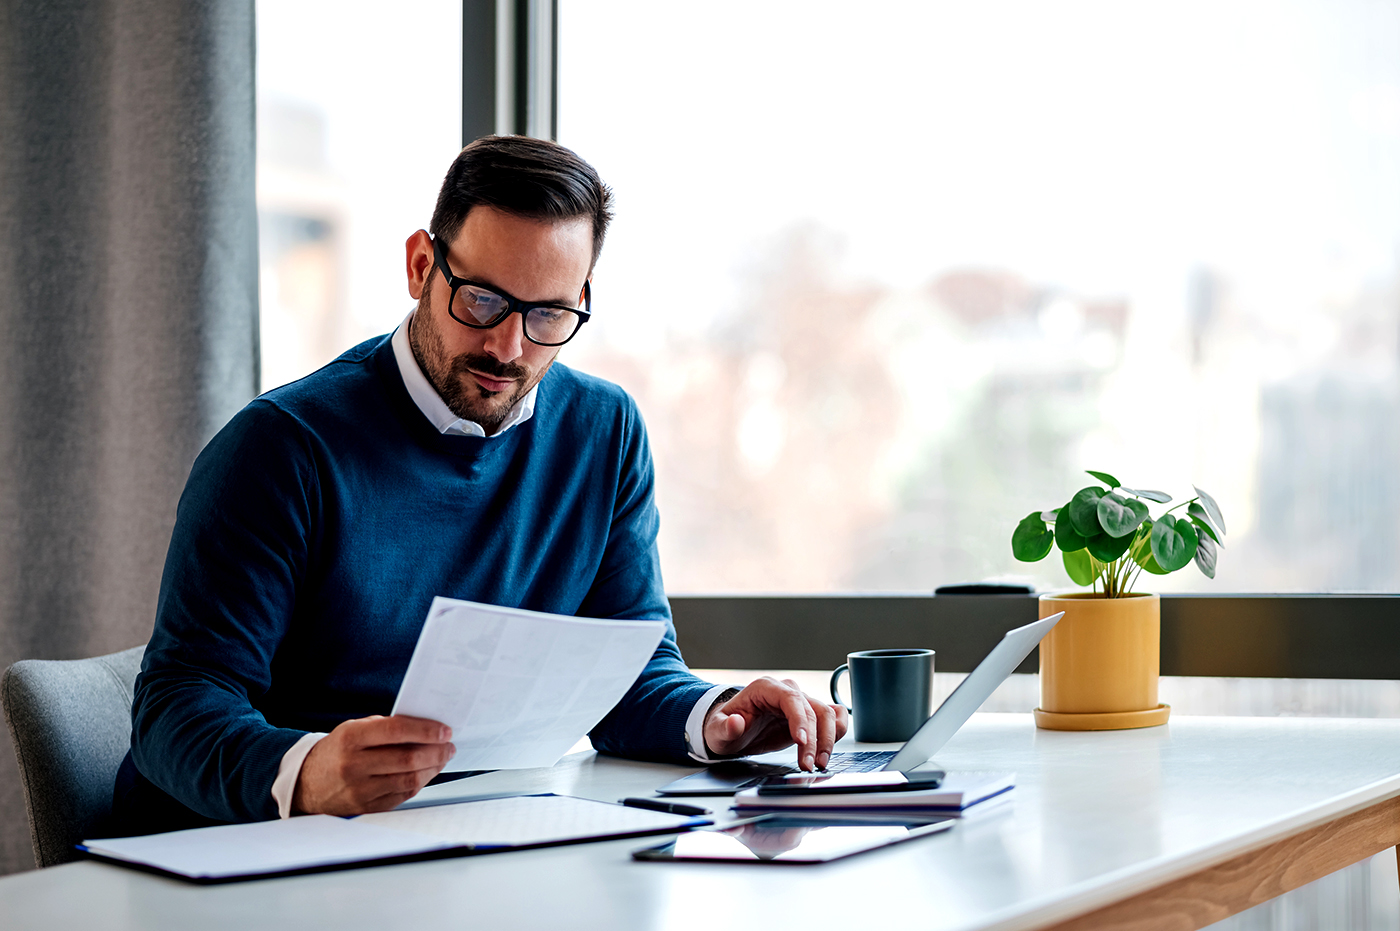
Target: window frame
<point x="510" y="52"/>
<point x="1302" y="636"/>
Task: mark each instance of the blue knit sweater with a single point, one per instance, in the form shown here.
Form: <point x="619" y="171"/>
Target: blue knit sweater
<point x="315" y="530"/>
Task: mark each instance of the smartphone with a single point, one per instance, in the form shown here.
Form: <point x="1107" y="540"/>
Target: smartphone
<point x="840" y="783"/>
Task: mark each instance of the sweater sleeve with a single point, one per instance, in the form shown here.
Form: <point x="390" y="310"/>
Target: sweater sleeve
<point x="226" y="598"/>
<point x="650" y="721"/>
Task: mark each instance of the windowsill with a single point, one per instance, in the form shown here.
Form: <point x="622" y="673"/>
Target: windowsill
<point x="1191" y="695"/>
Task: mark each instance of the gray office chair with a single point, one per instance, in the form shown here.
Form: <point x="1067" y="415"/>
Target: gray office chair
<point x="70" y="721"/>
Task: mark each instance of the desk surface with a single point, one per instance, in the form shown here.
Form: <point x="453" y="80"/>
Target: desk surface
<point x="1095" y="819"/>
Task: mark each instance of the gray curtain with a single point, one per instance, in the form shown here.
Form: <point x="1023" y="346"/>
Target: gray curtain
<point x="128" y="307"/>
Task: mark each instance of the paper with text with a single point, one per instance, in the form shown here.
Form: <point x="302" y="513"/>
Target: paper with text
<point x="525" y="820"/>
<point x="519" y="688"/>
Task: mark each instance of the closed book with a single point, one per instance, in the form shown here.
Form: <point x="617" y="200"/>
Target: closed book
<point x="958" y="792"/>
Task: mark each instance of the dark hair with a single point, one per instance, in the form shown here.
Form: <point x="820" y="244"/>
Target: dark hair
<point x="528" y="177"/>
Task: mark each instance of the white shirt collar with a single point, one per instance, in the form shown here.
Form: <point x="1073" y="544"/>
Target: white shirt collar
<point x="432" y="405"/>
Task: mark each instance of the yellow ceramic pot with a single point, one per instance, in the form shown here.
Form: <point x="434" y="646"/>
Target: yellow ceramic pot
<point x="1098" y="665"/>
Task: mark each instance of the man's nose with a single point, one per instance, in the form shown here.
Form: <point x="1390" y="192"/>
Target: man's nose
<point x="506" y="340"/>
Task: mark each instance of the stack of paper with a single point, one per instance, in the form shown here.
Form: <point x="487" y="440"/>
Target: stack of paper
<point x="957" y="792"/>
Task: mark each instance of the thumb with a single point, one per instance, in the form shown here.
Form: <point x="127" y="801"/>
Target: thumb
<point x="723" y="730"/>
<point x="734" y="726"/>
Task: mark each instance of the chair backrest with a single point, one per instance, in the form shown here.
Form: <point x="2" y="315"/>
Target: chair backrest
<point x="70" y="721"/>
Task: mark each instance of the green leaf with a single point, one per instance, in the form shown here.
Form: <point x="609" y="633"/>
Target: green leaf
<point x="1173" y="542"/>
<point x="1104" y="477"/>
<point x="1141" y="550"/>
<point x="1031" y="541"/>
<point x="1049" y="516"/>
<point x="1161" y="497"/>
<point x="1201" y="519"/>
<point x="1084" y="510"/>
<point x="1217" y="519"/>
<point x="1120" y="516"/>
<point x="1106" y="549"/>
<point x="1206" y="554"/>
<point x="1067" y="536"/>
<point x="1080" y="567"/>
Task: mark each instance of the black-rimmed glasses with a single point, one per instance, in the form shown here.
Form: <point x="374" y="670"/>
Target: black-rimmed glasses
<point x="481" y="308"/>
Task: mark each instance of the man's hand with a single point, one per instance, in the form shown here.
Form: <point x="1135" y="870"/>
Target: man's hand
<point x="371" y="764"/>
<point x="769" y="715"/>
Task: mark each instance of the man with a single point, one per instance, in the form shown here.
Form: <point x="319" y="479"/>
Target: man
<point x="450" y="458"/>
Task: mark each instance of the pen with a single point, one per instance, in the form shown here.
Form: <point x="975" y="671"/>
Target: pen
<point x="655" y="804"/>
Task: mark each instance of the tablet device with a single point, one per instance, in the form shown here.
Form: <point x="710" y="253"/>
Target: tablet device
<point x="790" y="841"/>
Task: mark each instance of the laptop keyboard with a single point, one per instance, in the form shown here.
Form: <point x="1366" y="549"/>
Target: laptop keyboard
<point x="861" y="761"/>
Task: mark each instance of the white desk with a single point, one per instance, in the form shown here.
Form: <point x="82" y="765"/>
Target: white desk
<point x="1149" y="828"/>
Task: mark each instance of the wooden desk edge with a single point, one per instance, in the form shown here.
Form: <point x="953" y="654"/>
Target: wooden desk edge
<point x="1219" y="891"/>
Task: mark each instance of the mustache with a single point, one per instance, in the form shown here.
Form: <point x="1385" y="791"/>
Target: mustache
<point x="492" y="368"/>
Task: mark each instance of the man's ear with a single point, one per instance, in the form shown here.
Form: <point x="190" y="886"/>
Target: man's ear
<point x="418" y="255"/>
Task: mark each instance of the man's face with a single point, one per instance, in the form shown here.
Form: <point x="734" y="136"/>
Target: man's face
<point x="480" y="374"/>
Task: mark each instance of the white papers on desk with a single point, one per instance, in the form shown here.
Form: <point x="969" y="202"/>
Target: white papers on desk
<point x="519" y="688"/>
<point x="264" y="847"/>
<point x="526" y="821"/>
<point x="319" y="842"/>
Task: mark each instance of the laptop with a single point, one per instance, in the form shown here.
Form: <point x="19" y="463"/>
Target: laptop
<point x="729" y="776"/>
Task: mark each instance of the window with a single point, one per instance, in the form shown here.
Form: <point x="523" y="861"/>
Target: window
<point x="359" y="115"/>
<point x="887" y="277"/>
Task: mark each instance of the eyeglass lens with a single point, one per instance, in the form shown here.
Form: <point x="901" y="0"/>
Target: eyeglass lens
<point x="542" y="324"/>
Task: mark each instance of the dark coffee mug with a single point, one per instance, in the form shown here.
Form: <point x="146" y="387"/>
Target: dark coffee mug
<point x="890" y="692"/>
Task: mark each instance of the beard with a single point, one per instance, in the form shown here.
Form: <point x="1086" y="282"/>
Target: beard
<point x="451" y="376"/>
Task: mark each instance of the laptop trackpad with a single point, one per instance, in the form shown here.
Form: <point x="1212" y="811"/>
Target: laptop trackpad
<point x="724" y="778"/>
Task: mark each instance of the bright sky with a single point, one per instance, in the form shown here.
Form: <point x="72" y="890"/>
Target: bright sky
<point x="388" y="80"/>
<point x="1104" y="146"/>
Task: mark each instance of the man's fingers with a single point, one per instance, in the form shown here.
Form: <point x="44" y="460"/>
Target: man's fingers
<point x="403" y="758"/>
<point x="396" y="729"/>
<point x="380" y="793"/>
<point x="802" y="724"/>
<point x="843" y="720"/>
<point x="826" y="730"/>
<point x="770" y="714"/>
<point x="723" y="731"/>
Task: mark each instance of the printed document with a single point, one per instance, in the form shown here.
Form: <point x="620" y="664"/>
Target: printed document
<point x="526" y="820"/>
<point x="519" y="688"/>
<point x="317" y="842"/>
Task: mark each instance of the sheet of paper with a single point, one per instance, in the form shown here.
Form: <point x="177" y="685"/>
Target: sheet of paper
<point x="265" y="846"/>
<point x="519" y="688"/>
<point x="527" y="819"/>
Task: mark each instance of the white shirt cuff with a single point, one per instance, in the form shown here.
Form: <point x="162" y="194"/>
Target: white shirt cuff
<point x="285" y="785"/>
<point x="695" y="724"/>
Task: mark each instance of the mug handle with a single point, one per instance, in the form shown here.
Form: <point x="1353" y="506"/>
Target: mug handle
<point x="835" y="695"/>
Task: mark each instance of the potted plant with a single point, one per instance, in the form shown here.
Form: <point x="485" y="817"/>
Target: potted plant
<point x="1099" y="665"/>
